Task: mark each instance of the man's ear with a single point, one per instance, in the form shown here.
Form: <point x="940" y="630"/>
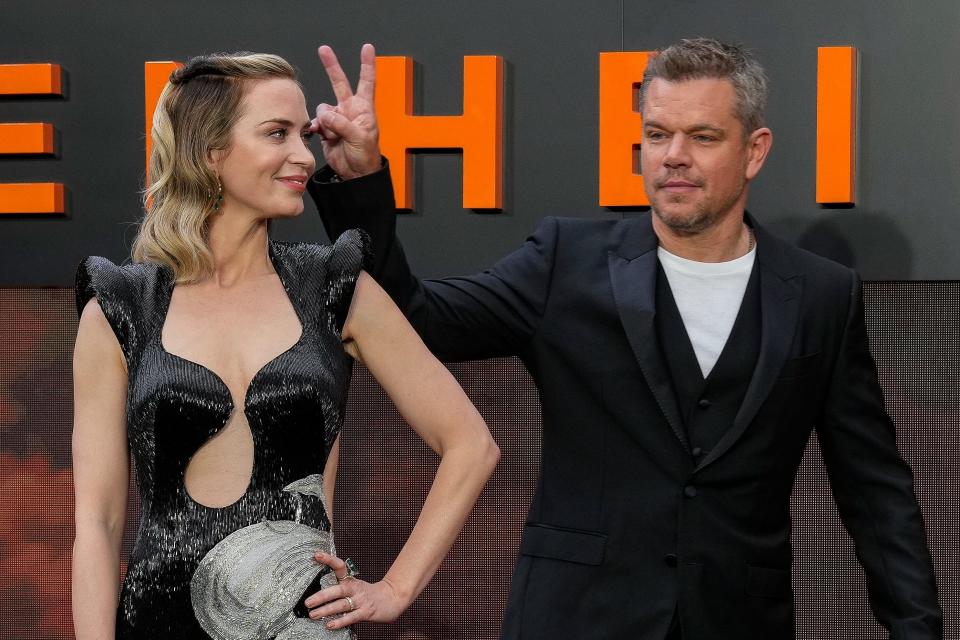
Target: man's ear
<point x="758" y="148"/>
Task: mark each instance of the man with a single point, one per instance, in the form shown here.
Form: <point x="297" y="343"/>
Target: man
<point x="682" y="359"/>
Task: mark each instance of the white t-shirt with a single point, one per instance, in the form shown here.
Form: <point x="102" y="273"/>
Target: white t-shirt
<point x="708" y="295"/>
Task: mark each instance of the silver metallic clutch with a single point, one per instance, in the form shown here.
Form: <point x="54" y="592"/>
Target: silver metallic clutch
<point x="247" y="586"/>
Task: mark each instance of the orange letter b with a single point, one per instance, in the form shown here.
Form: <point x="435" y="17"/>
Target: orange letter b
<point x="478" y="132"/>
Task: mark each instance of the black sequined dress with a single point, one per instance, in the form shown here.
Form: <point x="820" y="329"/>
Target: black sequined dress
<point x="236" y="572"/>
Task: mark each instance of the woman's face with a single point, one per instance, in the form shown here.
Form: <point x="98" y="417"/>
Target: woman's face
<point x="265" y="168"/>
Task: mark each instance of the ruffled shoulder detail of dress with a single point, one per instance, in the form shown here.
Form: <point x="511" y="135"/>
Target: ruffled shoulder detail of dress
<point x="324" y="275"/>
<point x="351" y="254"/>
<point x="127" y="294"/>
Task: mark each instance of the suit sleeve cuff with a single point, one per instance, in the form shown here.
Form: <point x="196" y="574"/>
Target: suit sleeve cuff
<point x="362" y="202"/>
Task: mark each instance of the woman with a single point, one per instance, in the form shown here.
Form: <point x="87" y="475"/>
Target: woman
<point x="220" y="359"/>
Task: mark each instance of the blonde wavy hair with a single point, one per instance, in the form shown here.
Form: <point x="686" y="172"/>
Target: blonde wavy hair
<point x="194" y="116"/>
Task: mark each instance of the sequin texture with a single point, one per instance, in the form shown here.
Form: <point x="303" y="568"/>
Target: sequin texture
<point x="294" y="408"/>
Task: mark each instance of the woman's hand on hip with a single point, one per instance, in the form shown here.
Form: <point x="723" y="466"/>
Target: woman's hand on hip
<point x="353" y="600"/>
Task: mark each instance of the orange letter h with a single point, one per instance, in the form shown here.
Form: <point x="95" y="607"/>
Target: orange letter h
<point x="478" y="132"/>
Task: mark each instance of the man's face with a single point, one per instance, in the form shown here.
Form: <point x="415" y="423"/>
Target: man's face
<point x="695" y="159"/>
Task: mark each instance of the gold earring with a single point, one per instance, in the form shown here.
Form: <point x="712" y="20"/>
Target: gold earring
<point x="218" y="200"/>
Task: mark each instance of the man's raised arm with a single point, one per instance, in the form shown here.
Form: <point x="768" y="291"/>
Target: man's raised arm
<point x="490" y="314"/>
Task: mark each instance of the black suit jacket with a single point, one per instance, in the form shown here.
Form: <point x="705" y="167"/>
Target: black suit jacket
<point x="625" y="527"/>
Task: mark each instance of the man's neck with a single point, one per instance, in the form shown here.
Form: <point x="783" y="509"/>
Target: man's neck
<point x="725" y="241"/>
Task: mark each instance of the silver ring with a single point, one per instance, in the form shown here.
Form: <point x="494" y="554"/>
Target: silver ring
<point x="350" y="602"/>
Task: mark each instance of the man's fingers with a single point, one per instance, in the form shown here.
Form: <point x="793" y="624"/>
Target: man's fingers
<point x="368" y="61"/>
<point x="317" y="126"/>
<point x="341" y="126"/>
<point x="338" y="79"/>
<point x="325" y="134"/>
<point x="328" y="137"/>
<point x="322" y="108"/>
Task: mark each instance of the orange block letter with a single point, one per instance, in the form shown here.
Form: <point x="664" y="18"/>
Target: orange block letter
<point x="43" y="79"/>
<point x="478" y="132"/>
<point x="155" y="78"/>
<point x="836" y="125"/>
<point x="621" y="128"/>
<point x="26" y="137"/>
<point x="31" y="197"/>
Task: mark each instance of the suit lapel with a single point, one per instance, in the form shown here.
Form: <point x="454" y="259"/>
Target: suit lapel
<point x="780" y="292"/>
<point x="633" y="275"/>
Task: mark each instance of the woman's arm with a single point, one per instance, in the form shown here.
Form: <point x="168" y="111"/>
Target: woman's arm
<point x="100" y="473"/>
<point x="429" y="398"/>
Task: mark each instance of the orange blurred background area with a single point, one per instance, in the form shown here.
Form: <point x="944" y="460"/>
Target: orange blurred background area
<point x="385" y="473"/>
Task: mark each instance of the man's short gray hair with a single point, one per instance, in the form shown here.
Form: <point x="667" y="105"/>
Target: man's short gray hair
<point x="708" y="58"/>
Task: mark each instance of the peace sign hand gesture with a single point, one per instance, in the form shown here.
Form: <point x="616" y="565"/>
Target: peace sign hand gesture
<point x="348" y="130"/>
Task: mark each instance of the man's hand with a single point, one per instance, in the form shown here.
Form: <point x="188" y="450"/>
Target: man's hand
<point x="348" y="130"/>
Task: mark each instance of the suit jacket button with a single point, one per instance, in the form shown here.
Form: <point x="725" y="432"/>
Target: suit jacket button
<point x="696" y="452"/>
<point x="690" y="491"/>
<point x="703" y="403"/>
<point x="670" y="559"/>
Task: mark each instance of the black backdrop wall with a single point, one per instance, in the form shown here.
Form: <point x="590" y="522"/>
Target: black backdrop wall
<point x="902" y="228"/>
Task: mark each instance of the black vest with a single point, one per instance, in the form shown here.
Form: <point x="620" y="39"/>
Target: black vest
<point x="709" y="406"/>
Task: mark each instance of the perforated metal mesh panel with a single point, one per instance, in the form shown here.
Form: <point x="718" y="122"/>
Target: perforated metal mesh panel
<point x="385" y="473"/>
